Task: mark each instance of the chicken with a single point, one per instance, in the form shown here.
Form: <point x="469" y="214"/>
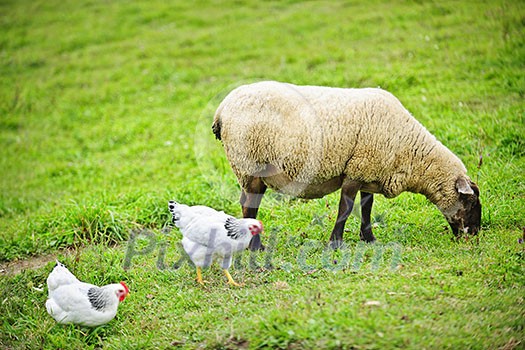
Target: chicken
<point x="73" y="301"/>
<point x="209" y="235"/>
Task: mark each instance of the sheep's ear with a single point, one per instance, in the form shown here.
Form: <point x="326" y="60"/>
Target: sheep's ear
<point x="463" y="186"/>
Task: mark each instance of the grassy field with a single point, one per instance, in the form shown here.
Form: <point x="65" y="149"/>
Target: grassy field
<point x="105" y="114"/>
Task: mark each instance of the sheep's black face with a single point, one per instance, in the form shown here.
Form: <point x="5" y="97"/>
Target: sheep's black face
<point x="466" y="215"/>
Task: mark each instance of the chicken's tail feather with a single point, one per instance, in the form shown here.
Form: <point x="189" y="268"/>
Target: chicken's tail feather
<point x="175" y="215"/>
<point x="60" y="276"/>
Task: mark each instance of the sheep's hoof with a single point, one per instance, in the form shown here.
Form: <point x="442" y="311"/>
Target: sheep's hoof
<point x="255" y="244"/>
<point x="367" y="236"/>
<point x="336" y="244"/>
<point x="256" y="247"/>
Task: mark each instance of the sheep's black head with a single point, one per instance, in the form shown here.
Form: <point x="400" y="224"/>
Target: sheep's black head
<point x="465" y="215"/>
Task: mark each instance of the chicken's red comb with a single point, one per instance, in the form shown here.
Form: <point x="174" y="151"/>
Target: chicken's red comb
<point x="125" y="287"/>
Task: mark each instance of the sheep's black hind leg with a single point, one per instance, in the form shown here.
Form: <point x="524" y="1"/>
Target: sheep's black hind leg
<point x="367" y="200"/>
<point x="250" y="200"/>
<point x="346" y="203"/>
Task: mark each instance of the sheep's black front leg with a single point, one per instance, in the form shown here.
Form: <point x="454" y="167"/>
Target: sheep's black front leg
<point x="367" y="200"/>
<point x="346" y="203"/>
<point x="250" y="200"/>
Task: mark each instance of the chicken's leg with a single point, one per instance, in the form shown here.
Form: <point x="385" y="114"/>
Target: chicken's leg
<point x="230" y="279"/>
<point x="199" y="276"/>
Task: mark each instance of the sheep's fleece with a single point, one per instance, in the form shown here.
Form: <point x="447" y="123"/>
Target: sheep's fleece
<point x="308" y="140"/>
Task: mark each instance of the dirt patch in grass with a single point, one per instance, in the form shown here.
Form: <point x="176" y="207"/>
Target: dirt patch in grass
<point x="17" y="266"/>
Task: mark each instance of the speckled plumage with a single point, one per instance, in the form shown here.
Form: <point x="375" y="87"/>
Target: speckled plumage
<point x="72" y="301"/>
<point x="210" y="235"/>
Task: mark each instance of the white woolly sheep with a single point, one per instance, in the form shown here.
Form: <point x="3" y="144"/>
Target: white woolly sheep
<point x="309" y="141"/>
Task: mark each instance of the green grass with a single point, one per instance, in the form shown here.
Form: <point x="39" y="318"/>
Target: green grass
<point x="105" y="114"/>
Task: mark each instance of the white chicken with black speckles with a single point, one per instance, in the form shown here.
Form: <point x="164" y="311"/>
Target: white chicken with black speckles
<point x="73" y="301"/>
<point x="210" y="235"/>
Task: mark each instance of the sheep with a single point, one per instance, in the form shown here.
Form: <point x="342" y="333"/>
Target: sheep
<point x="309" y="141"/>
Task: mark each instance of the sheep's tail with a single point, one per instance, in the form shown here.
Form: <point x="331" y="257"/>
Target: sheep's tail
<point x="216" y="126"/>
